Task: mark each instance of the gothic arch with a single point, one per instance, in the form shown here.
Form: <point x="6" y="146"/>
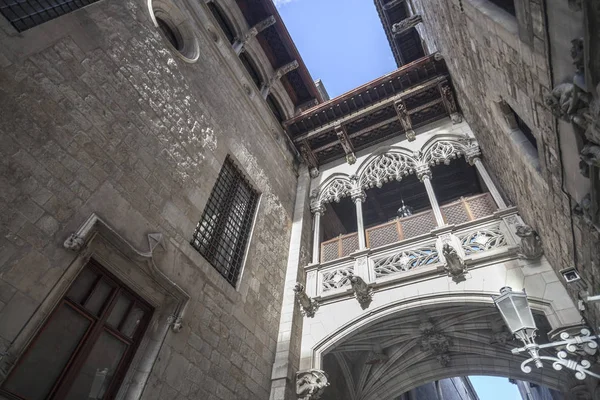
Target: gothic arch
<point x="384" y="165"/>
<point x="335" y="188"/>
<point x="409" y="334"/>
<point x="443" y="149"/>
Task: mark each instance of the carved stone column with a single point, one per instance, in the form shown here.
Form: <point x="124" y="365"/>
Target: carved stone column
<point x="405" y="119"/>
<point x="318" y="210"/>
<point x="472" y="156"/>
<point x="240" y="41"/>
<point x="286" y="69"/>
<point x="424" y="175"/>
<point x="358" y="197"/>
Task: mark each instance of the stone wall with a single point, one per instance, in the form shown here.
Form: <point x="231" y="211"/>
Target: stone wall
<point x="491" y="62"/>
<point x="99" y="115"/>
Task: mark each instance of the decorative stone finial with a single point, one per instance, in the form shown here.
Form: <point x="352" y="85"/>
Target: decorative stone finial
<point x="310" y="384"/>
<point x="362" y="291"/>
<point x="455" y="266"/>
<point x="308" y="306"/>
<point x="530" y="247"/>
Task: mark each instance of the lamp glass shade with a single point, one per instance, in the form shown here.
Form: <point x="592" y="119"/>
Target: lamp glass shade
<point x="515" y="310"/>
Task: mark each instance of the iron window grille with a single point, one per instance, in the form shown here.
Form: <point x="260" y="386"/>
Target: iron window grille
<point x="26" y="14"/>
<point x="222" y="234"/>
<point x="84" y="348"/>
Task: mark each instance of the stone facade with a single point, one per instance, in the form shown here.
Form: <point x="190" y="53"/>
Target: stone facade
<point x="500" y="62"/>
<point x="99" y="115"/>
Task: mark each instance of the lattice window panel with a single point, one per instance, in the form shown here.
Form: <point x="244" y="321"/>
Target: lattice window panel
<point x="337" y="279"/>
<point x="483" y="240"/>
<point x="455" y="213"/>
<point x="349" y="244"/>
<point x="405" y="261"/>
<point x="418" y="224"/>
<point x="481" y="206"/>
<point x="382" y="235"/>
<point x="329" y="251"/>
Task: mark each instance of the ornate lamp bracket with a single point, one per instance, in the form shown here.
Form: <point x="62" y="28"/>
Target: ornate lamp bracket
<point x="571" y="344"/>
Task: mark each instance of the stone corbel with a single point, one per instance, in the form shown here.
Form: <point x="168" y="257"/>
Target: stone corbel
<point x="78" y="240"/>
<point x="400" y="27"/>
<point x="308" y="306"/>
<point x="309" y="159"/>
<point x="310" y="384"/>
<point x="240" y="42"/>
<point x="530" y="247"/>
<point x="405" y="119"/>
<point x="340" y="131"/>
<point x="449" y="102"/>
<point x="362" y="291"/>
<point x="279" y="73"/>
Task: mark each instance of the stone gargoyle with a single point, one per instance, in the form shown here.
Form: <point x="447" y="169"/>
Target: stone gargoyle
<point x="362" y="291"/>
<point x="310" y="384"/>
<point x="455" y="266"/>
<point x="589" y="156"/>
<point x="530" y="247"/>
<point x="561" y="100"/>
<point x="308" y="306"/>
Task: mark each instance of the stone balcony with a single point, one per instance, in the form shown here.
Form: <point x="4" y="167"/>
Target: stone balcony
<point x="485" y="234"/>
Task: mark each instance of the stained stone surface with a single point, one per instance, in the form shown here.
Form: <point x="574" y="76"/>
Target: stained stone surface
<point x="98" y="115"/>
<point x="493" y="57"/>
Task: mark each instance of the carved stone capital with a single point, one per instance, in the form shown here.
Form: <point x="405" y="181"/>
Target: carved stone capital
<point x="310" y="384"/>
<point x="530" y="247"/>
<point x="358" y="195"/>
<point x="362" y="292"/>
<point x="308" y="306"/>
<point x="317" y="207"/>
<point x="472" y="153"/>
<point x="423" y="172"/>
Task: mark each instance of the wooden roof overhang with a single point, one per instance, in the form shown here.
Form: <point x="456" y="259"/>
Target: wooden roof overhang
<point x="280" y="49"/>
<point x="406" y="47"/>
<point x="368" y="114"/>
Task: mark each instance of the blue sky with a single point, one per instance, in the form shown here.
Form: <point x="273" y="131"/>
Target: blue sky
<point x="342" y="42"/>
<point x="495" y="388"/>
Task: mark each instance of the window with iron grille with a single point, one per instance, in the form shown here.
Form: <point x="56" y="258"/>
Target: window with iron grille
<point x="222" y="234"/>
<point x="25" y="14"/>
<point x="84" y="348"/>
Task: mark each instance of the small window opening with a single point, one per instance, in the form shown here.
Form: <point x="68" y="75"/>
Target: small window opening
<point x="506" y="5"/>
<point x="275" y="108"/>
<point x="223" y="22"/>
<point x="525" y="129"/>
<point x="251" y="68"/>
<point x="170" y="34"/>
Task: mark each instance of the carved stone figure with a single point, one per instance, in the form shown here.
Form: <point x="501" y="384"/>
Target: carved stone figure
<point x="561" y="101"/>
<point x="310" y="384"/>
<point x="435" y="341"/>
<point x="74" y="242"/>
<point x="308" y="306"/>
<point x="455" y="266"/>
<point x="577" y="54"/>
<point x="530" y="247"/>
<point x="362" y="291"/>
<point x="589" y="156"/>
<point x="407" y="23"/>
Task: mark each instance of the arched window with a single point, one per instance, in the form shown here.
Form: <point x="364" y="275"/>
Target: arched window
<point x="223" y="22"/>
<point x="275" y="108"/>
<point x="251" y="68"/>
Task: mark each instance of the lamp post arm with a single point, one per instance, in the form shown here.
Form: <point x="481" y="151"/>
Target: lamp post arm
<point x="581" y="369"/>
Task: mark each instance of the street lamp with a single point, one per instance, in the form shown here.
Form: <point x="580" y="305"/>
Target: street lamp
<point x="516" y="312"/>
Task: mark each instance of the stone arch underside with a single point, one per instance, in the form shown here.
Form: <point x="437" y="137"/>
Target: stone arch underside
<point x="398" y="352"/>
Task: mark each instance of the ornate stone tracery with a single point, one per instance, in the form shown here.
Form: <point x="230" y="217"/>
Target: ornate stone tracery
<point x="406" y="260"/>
<point x="443" y="151"/>
<point x="386" y="167"/>
<point x="337" y="278"/>
<point x="483" y="240"/>
<point x="335" y="190"/>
